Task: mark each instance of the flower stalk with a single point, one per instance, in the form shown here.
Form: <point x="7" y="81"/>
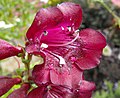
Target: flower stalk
<point x="117" y="18"/>
<point x="26" y="58"/>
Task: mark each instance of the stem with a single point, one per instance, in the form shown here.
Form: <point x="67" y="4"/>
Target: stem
<point x="117" y="18"/>
<point x="26" y="60"/>
<point x="27" y="65"/>
<point x="109" y="10"/>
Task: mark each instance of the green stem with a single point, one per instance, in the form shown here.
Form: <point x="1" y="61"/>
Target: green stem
<point x="26" y="60"/>
<point x="109" y="10"/>
<point x="117" y="18"/>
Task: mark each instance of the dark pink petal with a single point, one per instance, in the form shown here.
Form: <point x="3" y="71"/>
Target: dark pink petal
<point x="61" y="76"/>
<point x="44" y="19"/>
<point x="55" y="36"/>
<point x="77" y="76"/>
<point x="41" y="75"/>
<point x="86" y="86"/>
<point x="6" y="83"/>
<point x="37" y="93"/>
<point x="49" y="91"/>
<point x="31" y="49"/>
<point x="92" y="39"/>
<point x="72" y="13"/>
<point x="85" y="89"/>
<point x="21" y="92"/>
<point x="7" y="50"/>
<point x="67" y="77"/>
<point x="89" y="59"/>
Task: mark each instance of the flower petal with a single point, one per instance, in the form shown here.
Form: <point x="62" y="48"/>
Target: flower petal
<point x="72" y="13"/>
<point x="40" y="75"/>
<point x="85" y="89"/>
<point x="49" y="91"/>
<point x="7" y="50"/>
<point x="21" y="92"/>
<point x="7" y="83"/>
<point x="44" y="19"/>
<point x="89" y="59"/>
<point x="37" y="93"/>
<point x="55" y="36"/>
<point x="86" y="86"/>
<point x="61" y="76"/>
<point x="92" y="39"/>
<point x="67" y="77"/>
<point x="77" y="76"/>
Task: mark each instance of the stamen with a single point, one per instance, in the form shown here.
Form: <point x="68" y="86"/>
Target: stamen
<point x="61" y="59"/>
<point x="66" y="43"/>
<point x="39" y="39"/>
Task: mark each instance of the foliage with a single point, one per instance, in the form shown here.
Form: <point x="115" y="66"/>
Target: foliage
<point x="55" y="2"/>
<point x="17" y="13"/>
<point x="111" y="92"/>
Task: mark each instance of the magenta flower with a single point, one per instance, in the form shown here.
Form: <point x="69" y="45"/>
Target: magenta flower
<point x="7" y="50"/>
<point x="57" y="35"/>
<point x="66" y="51"/>
<point x="6" y="83"/>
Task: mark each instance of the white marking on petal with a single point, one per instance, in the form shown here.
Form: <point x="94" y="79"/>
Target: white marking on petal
<point x="69" y="29"/>
<point x="62" y="28"/>
<point x="43" y="45"/>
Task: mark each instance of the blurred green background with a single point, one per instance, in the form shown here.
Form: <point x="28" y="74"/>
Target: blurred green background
<point x="17" y="15"/>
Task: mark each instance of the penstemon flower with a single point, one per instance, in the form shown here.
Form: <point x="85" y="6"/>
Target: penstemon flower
<point x="66" y="50"/>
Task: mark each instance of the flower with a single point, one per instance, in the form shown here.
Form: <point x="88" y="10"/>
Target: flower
<point x="66" y="51"/>
<point x="7" y="83"/>
<point x="58" y="35"/>
<point x="7" y="50"/>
